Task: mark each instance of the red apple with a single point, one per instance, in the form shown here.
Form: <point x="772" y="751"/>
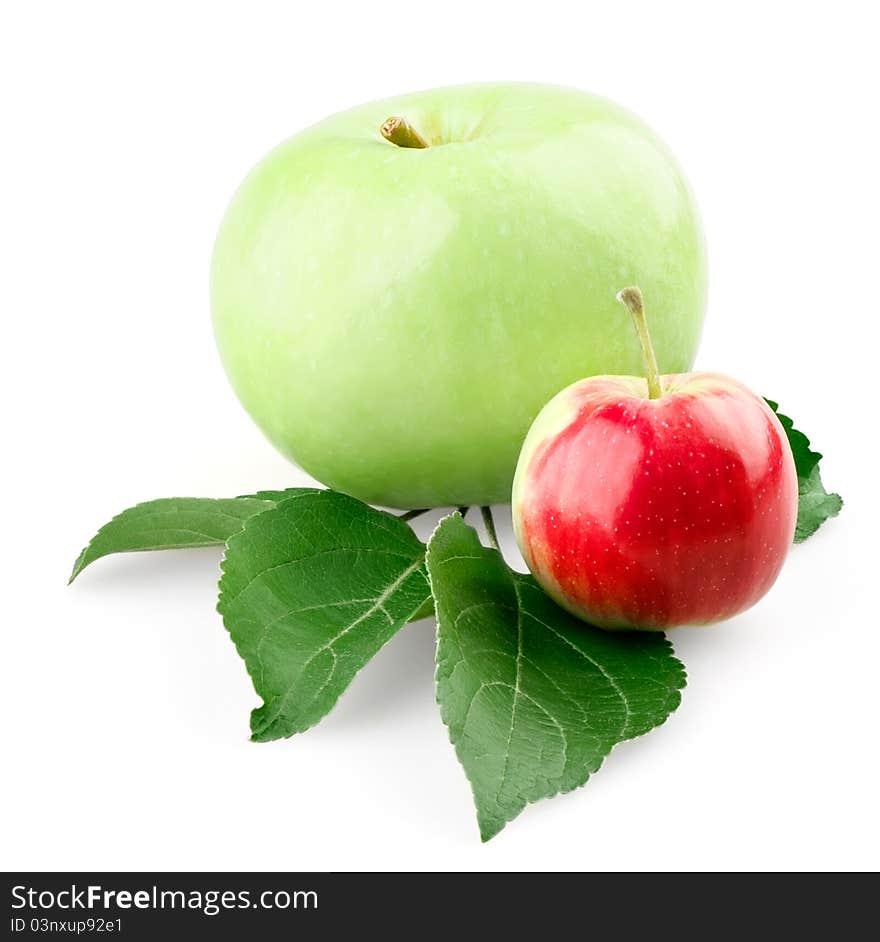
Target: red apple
<point x="651" y="503"/>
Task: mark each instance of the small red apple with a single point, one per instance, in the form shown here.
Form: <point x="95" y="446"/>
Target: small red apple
<point x="651" y="503"/>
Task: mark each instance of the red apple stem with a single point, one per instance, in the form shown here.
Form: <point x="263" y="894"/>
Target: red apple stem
<point x="399" y="131"/>
<point x="631" y="299"/>
<point x="489" y="522"/>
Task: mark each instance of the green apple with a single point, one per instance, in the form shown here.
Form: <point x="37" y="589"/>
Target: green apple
<point x="393" y="311"/>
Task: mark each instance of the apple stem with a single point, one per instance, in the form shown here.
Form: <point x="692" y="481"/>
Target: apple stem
<point x="399" y="131"/>
<point x="490" y="527"/>
<point x="412" y="514"/>
<point x="631" y="299"/>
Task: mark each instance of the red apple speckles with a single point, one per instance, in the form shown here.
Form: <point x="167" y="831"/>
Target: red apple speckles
<point x="652" y="513"/>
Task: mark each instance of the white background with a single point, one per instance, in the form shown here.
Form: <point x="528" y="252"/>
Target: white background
<point x="126" y="128"/>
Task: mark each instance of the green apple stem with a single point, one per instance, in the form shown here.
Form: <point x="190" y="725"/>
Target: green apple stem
<point x="399" y="131"/>
<point x="489" y="521"/>
<point x="631" y="299"/>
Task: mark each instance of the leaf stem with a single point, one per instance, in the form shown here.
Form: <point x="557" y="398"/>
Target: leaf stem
<point x="412" y="514"/>
<point x="489" y="521"/>
<point x="631" y="299"/>
<point x="399" y="131"/>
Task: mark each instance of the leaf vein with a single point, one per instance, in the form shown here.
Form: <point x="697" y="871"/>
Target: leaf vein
<point x="281" y="703"/>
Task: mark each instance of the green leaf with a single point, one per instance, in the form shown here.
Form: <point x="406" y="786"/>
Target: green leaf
<point x="275" y="497"/>
<point x="815" y="504"/>
<point x="310" y="591"/>
<point x="174" y="522"/>
<point x="533" y="698"/>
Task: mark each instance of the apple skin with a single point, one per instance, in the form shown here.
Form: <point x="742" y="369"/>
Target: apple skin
<point x="653" y="513"/>
<point x="393" y="319"/>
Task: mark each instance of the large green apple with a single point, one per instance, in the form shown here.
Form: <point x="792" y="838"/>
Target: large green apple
<point x="394" y="317"/>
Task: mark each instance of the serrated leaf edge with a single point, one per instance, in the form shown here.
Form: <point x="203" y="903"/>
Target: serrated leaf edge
<point x="80" y="563"/>
<point x="678" y="674"/>
<point x="223" y="572"/>
<point x="789" y="427"/>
